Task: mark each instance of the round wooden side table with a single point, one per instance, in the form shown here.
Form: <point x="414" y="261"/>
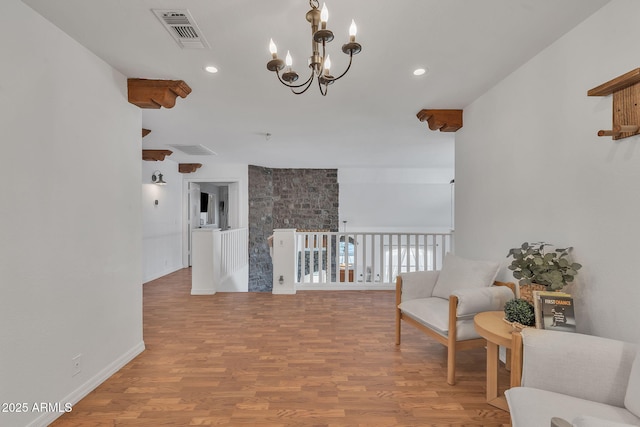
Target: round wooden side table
<point x="491" y="326"/>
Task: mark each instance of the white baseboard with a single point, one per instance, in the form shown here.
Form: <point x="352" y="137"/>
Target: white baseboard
<point x="203" y="292"/>
<point x="161" y="274"/>
<point x="277" y="291"/>
<point x="75" y="396"/>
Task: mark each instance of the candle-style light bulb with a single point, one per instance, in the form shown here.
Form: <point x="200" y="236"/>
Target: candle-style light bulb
<point x="353" y="30"/>
<point x="288" y="61"/>
<point x="324" y="15"/>
<point x="327" y="65"/>
<point x="273" y="49"/>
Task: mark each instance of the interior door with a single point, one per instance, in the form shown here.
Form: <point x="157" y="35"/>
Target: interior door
<point x="194" y="211"/>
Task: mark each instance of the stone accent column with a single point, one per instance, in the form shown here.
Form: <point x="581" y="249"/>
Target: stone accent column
<point x="286" y="199"/>
<point x="260" y="228"/>
<point x="305" y="199"/>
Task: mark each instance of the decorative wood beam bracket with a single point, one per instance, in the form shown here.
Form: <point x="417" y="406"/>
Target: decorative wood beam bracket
<point x="188" y="167"/>
<point x="155" y="155"/>
<point x="626" y="97"/>
<point x="156" y="93"/>
<point x="145" y="132"/>
<point x="443" y="120"/>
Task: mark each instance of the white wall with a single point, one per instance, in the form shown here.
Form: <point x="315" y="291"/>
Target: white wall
<point x="379" y="199"/>
<point x="162" y="223"/>
<point x="530" y="167"/>
<point x="164" y="228"/>
<point x="70" y="226"/>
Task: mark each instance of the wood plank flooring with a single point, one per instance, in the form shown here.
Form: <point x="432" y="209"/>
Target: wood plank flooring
<point x="311" y="359"/>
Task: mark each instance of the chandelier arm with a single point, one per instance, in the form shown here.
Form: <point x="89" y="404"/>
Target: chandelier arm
<point x="308" y="83"/>
<point x="345" y="71"/>
<point x="326" y="88"/>
<point x="293" y="86"/>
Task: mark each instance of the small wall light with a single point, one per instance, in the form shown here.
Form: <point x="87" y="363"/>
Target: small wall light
<point x="157" y="178"/>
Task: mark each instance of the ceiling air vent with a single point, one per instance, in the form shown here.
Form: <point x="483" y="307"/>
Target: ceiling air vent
<point x="182" y="27"/>
<point x="194" y="150"/>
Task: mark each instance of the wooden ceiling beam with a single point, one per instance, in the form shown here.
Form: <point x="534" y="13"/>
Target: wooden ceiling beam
<point x="156" y="93"/>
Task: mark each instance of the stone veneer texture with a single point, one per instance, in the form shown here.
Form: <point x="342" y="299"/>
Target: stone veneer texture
<point x="286" y="198"/>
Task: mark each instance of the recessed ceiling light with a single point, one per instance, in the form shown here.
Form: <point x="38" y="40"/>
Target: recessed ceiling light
<point x="419" y="71"/>
<point x="211" y="69"/>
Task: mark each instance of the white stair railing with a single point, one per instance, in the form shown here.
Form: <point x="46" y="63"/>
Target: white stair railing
<point x="220" y="260"/>
<point x="234" y="251"/>
<point x="364" y="260"/>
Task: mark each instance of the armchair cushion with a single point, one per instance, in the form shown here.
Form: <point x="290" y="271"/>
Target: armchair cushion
<point x="632" y="398"/>
<point x="535" y="407"/>
<point x="474" y="301"/>
<point x="431" y="312"/>
<point x="460" y="273"/>
<point x="434" y="313"/>
<point x="560" y="362"/>
<point x="575" y="377"/>
<point x="418" y="284"/>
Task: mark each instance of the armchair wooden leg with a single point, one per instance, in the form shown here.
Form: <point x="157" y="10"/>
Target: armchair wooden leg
<point x="452" y="335"/>
<point x="451" y="363"/>
<point x="398" y="311"/>
<point x="398" y="320"/>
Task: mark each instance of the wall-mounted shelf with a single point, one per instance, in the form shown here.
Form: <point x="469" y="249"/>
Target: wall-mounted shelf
<point x="626" y="97"/>
<point x="147" y="93"/>
<point x="188" y="167"/>
<point x="155" y="155"/>
<point x="443" y="120"/>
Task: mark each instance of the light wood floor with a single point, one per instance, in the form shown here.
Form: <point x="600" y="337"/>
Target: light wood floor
<point x="257" y="359"/>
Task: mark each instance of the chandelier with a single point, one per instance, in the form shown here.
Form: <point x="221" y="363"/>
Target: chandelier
<point x="320" y="64"/>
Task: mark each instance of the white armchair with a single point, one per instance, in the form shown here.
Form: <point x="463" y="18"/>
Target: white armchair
<point x="571" y="379"/>
<point x="442" y="303"/>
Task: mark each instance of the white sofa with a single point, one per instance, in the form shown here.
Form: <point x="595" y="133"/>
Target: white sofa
<point x="580" y="380"/>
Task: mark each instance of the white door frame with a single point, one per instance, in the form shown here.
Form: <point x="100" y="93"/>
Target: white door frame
<point x="192" y="216"/>
<point x="234" y="209"/>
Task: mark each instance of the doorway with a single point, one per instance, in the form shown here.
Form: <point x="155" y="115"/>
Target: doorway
<point x="209" y="204"/>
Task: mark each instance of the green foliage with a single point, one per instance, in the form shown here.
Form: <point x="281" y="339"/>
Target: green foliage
<point x="531" y="264"/>
<point x="521" y="311"/>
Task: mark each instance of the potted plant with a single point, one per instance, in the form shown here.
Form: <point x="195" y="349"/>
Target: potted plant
<point x="551" y="270"/>
<point x="519" y="313"/>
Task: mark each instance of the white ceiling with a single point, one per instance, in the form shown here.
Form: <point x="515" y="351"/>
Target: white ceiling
<point x="368" y="119"/>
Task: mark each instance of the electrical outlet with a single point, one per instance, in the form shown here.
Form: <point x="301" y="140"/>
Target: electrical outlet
<point x="76" y="365"/>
